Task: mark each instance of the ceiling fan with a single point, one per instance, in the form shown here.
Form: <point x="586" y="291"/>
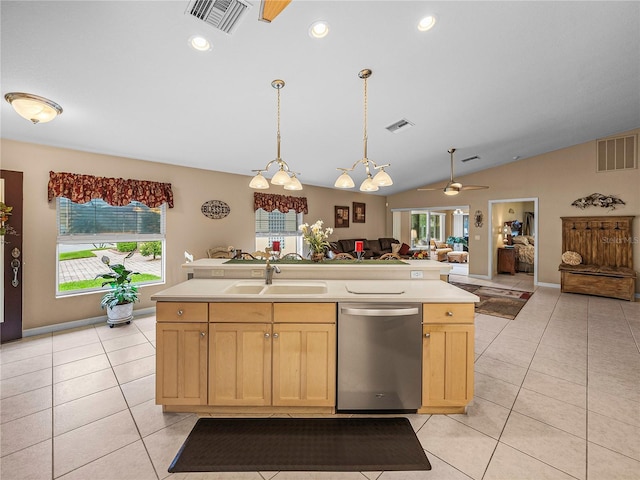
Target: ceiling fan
<point x="454" y="187"/>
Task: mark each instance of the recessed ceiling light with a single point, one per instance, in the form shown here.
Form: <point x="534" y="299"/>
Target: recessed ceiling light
<point x="319" y="29"/>
<point x="426" y="23"/>
<point x="200" y="43"/>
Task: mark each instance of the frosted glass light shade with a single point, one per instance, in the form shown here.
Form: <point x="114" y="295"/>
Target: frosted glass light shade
<point x="280" y="178"/>
<point x="368" y="185"/>
<point x="32" y="107"/>
<point x="294" y="184"/>
<point x="382" y="179"/>
<point x="451" y="190"/>
<point x="259" y="182"/>
<point x="344" y="181"/>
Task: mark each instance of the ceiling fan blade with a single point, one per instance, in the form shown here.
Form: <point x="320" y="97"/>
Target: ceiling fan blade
<point x="270" y="9"/>
<point x="473" y="187"/>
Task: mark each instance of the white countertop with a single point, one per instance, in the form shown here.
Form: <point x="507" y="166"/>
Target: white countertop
<point x="380" y="291"/>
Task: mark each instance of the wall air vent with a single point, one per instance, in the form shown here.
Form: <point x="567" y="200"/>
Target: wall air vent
<point x="619" y="153"/>
<point x="400" y="125"/>
<point x="221" y="14"/>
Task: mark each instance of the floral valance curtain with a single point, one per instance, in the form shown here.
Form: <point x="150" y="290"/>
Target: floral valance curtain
<point x="283" y="203"/>
<point x="115" y="191"/>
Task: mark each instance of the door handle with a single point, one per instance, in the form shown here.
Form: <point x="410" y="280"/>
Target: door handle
<point x="15" y="266"/>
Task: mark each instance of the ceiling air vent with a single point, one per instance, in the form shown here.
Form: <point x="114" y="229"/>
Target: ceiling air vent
<point x="619" y="153"/>
<point x="400" y="125"/>
<point x="221" y="14"/>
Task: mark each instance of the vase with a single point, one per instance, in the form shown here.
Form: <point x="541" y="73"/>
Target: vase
<point x="317" y="257"/>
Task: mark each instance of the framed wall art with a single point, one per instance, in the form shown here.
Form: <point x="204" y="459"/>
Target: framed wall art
<point x="359" y="212"/>
<point x="342" y="217"/>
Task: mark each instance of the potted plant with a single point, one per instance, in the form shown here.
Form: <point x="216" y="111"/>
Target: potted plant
<point x="459" y="244"/>
<point x="120" y="299"/>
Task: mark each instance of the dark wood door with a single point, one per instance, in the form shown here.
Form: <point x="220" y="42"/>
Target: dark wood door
<point x="12" y="260"/>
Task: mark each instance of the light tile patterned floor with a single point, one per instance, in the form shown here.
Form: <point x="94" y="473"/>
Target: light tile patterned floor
<point x="557" y="397"/>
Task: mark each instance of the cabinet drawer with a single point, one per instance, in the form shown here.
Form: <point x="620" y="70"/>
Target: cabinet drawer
<point x="240" y="312"/>
<point x="181" y="312"/>
<point x="304" y="312"/>
<point x="444" y="313"/>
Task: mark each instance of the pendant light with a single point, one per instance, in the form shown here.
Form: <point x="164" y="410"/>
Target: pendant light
<point x="281" y="177"/>
<point x="32" y="107"/>
<point x="370" y="183"/>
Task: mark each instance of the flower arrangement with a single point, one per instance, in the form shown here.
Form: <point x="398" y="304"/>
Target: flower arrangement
<point x="5" y="212"/>
<point x="316" y="237"/>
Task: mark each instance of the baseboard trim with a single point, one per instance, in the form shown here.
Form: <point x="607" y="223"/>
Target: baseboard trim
<point x="550" y="285"/>
<point x="30" y="332"/>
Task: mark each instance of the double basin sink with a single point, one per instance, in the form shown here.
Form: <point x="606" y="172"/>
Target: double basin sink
<point x="255" y="287"/>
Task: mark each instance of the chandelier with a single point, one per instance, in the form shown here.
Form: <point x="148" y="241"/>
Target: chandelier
<point x="281" y="177"/>
<point x="371" y="183"/>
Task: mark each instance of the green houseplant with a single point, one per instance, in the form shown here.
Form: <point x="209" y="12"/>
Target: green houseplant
<point x="120" y="299"/>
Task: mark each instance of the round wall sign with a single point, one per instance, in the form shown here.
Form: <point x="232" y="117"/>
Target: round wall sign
<point x="215" y="209"/>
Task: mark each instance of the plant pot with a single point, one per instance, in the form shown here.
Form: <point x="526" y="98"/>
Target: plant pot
<point x="119" y="314"/>
<point x="317" y="257"/>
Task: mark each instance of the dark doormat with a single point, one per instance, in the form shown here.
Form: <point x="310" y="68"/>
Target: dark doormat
<point x="499" y="302"/>
<point x="300" y="444"/>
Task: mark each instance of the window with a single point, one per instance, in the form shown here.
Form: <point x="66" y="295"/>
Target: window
<point x="89" y="231"/>
<point x="436" y="226"/>
<point x="279" y="226"/>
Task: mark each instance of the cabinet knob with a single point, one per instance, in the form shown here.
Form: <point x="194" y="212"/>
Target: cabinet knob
<point x="275" y="335"/>
<point x="266" y="335"/>
<point x="179" y="312"/>
<point x="449" y="313"/>
<point x="427" y="335"/>
<point x="202" y="334"/>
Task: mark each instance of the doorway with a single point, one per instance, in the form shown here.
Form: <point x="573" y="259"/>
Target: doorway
<point x="523" y="211"/>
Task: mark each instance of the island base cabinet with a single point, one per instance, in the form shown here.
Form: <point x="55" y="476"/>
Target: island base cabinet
<point x="447" y="368"/>
<point x="240" y="364"/>
<point x="304" y="365"/>
<point x="181" y="363"/>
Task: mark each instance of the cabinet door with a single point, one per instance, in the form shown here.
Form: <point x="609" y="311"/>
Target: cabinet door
<point x="304" y="364"/>
<point x="181" y="363"/>
<point x="447" y="365"/>
<point x="240" y="364"/>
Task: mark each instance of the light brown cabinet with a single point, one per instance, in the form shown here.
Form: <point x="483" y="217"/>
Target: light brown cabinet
<point x="181" y="354"/>
<point x="447" y="357"/>
<point x="287" y="360"/>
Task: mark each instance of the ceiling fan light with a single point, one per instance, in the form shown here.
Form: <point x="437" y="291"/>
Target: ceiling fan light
<point x="456" y="185"/>
<point x="294" y="183"/>
<point x="259" y="182"/>
<point x="382" y="179"/>
<point x="280" y="178"/>
<point x="451" y="190"/>
<point x="32" y="107"/>
<point x="368" y="185"/>
<point x="344" y="181"/>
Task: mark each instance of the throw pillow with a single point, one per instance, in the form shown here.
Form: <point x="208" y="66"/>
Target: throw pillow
<point x="519" y="240"/>
<point x="442" y="245"/>
<point x="395" y="247"/>
<point x="404" y="249"/>
<point x="531" y="239"/>
<point x="571" y="258"/>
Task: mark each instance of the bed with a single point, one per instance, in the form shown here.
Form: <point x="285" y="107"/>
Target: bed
<point x="524" y="247"/>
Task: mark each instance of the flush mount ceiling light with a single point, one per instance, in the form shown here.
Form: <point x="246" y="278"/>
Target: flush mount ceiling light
<point x="319" y="29"/>
<point x="426" y="23"/>
<point x="200" y="43"/>
<point x="32" y="107"/>
<point x="382" y="178"/>
<point x="282" y="175"/>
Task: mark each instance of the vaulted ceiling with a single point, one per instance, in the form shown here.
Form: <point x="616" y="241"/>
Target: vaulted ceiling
<point x="500" y="80"/>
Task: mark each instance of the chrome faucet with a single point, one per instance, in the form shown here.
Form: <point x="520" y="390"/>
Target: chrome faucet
<point x="268" y="277"/>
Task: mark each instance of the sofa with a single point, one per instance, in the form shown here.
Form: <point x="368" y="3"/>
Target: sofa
<point x="371" y="248"/>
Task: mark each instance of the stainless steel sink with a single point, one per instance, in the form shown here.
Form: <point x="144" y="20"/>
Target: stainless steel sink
<point x="245" y="288"/>
<point x="307" y="288"/>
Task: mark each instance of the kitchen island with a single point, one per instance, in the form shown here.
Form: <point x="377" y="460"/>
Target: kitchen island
<point x="239" y="345"/>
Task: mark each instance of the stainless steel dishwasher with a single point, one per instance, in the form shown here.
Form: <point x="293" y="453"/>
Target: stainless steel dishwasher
<point x="379" y="357"/>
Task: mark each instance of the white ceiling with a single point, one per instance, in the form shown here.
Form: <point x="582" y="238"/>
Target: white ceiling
<point x="494" y="79"/>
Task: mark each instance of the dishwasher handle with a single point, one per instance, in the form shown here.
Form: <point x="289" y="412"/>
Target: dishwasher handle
<point x="380" y="312"/>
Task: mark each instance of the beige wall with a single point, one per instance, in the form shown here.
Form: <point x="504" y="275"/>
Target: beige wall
<point x="187" y="228"/>
<point x="556" y="179"/>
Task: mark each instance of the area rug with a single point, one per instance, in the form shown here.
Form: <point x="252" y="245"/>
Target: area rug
<point x="498" y="302"/>
<point x="300" y="444"/>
